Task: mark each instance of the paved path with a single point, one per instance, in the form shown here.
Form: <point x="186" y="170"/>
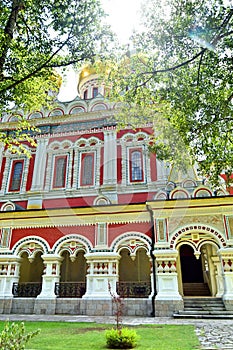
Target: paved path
<point x="212" y="334"/>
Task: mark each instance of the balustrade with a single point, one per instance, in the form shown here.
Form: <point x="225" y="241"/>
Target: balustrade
<point x="134" y="289"/>
<point x="70" y="289"/>
<point x="27" y="289"/>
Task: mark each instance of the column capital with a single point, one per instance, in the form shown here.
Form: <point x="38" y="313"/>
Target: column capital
<point x="165" y="254"/>
<point x="102" y="256"/>
<point x="51" y="258"/>
<point x="226" y="252"/>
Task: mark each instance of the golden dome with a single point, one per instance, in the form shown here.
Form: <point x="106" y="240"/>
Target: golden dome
<point x="86" y="71"/>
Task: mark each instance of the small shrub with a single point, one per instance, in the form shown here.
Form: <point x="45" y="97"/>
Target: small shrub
<point x="123" y="338"/>
<point x="13" y="336"/>
<point x="118" y="307"/>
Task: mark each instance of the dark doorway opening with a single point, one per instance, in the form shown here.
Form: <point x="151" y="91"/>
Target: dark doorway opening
<point x="192" y="273"/>
<point x="191" y="267"/>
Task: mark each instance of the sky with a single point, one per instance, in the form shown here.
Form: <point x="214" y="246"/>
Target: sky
<point x="123" y="18"/>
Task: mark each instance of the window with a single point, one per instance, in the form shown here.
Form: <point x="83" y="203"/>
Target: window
<point x="87" y="169"/>
<point x="16" y="175"/>
<point x="94" y="92"/>
<point x="101" y="237"/>
<point x="136" y="166"/>
<point x="85" y="95"/>
<point x="59" y="178"/>
<point x="5" y="236"/>
<point x="56" y="112"/>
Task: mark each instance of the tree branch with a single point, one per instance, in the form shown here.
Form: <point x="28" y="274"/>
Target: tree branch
<point x="199" y="69"/>
<point x="17" y="6"/>
<point x="201" y="53"/>
<point x="230" y="97"/>
<point x="176" y="66"/>
<point x="45" y="64"/>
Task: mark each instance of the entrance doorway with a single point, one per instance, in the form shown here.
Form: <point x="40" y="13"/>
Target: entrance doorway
<point x="192" y="273"/>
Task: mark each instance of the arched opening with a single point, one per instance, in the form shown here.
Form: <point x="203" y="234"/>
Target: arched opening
<point x="30" y="277"/>
<point x="199" y="276"/>
<point x="212" y="269"/>
<point x="190" y="265"/>
<point x="72" y="276"/>
<point x="134" y="274"/>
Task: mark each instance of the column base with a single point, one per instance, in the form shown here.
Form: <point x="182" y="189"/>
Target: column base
<point x="35" y="202"/>
<point x="96" y="296"/>
<point x="45" y="306"/>
<point x="5" y="305"/>
<point x="166" y="308"/>
<point x="46" y="297"/>
<point x="164" y="296"/>
<point x="228" y="301"/>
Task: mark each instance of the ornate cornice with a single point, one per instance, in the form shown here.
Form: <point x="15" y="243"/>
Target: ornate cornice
<point x="64" y="119"/>
<point x="192" y="207"/>
<point x="75" y="217"/>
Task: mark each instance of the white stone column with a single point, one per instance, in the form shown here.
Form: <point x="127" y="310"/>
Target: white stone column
<point x="227" y="266"/>
<point x="9" y="274"/>
<point x="40" y="164"/>
<point x="35" y="201"/>
<point x="110" y="158"/>
<point x="151" y="278"/>
<point x="168" y="299"/>
<point x="167" y="281"/>
<point x="50" y="277"/>
<point x="1" y="153"/>
<point x="102" y="272"/>
<point x="218" y="276"/>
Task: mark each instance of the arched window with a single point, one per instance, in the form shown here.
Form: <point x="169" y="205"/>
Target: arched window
<point x="136" y="166"/>
<point x="94" y="92"/>
<point x="59" y="178"/>
<point x="85" y="95"/>
<point x="87" y="169"/>
<point x="16" y="175"/>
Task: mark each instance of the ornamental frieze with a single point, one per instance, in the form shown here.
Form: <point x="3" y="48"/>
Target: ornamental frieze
<point x="214" y="221"/>
<point x="75" y="220"/>
<point x="227" y="264"/>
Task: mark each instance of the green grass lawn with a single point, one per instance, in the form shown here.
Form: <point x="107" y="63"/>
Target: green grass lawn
<point x="85" y="336"/>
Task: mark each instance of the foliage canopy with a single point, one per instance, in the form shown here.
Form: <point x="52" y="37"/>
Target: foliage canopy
<point x="38" y="36"/>
<point x="178" y="74"/>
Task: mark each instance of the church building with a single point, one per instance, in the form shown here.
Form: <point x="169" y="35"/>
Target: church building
<point x="92" y="211"/>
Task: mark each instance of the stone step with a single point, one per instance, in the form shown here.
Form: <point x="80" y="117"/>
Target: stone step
<point x="208" y="302"/>
<point x="196" y="289"/>
<point x="202" y="300"/>
<point x="204" y="308"/>
<point x="206" y="316"/>
<point x="196" y="292"/>
<point x="205" y="312"/>
<point x="204" y="304"/>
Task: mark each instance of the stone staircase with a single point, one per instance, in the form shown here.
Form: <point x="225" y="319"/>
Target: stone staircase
<point x="196" y="289"/>
<point x="204" y="307"/>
